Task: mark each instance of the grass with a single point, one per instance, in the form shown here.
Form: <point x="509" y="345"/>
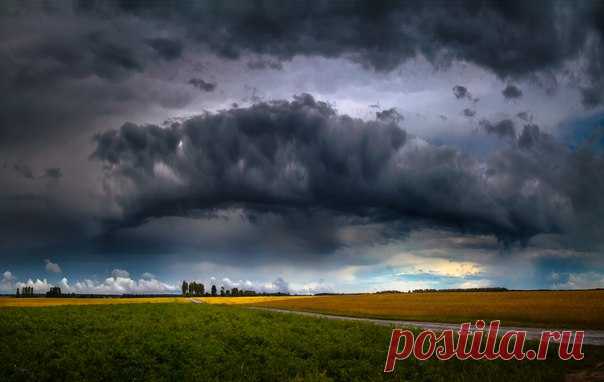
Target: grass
<point x="203" y="342"/>
<point x="566" y="309"/>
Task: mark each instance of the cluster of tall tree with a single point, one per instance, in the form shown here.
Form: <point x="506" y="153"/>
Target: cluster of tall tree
<point x="193" y="288"/>
<point x="54" y="292"/>
<point x="26" y="291"/>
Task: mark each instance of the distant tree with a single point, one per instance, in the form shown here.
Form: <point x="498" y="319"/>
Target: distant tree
<point x="222" y="291"/>
<point x="54" y="292"/>
<point x="18" y="294"/>
<point x="27" y="291"/>
<point x="213" y="290"/>
<point x="185" y="288"/>
<point x="234" y="292"/>
<point x="197" y="289"/>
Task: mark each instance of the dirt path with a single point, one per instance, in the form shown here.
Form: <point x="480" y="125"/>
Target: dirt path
<point x="592" y="337"/>
<point x="195" y="301"/>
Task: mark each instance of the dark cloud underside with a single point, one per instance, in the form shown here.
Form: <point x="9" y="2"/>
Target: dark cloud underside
<point x="303" y="156"/>
<point x="511" y="92"/>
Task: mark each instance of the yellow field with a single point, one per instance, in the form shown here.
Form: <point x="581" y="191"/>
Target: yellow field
<point x="576" y="309"/>
<point x="573" y="309"/>
<point x="246" y="300"/>
<point x="29" y="302"/>
<point x="41" y="301"/>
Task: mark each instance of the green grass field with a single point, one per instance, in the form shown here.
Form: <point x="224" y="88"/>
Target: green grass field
<point x="202" y="342"/>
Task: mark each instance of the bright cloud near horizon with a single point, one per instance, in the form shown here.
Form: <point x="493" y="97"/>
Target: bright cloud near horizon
<point x="307" y="148"/>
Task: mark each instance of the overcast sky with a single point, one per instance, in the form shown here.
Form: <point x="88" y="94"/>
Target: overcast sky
<point x="303" y="147"/>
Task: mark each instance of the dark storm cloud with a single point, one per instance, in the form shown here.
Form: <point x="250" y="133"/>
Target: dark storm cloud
<point x="525" y="116"/>
<point x="31" y="221"/>
<point x="508" y="37"/>
<point x="469" y="112"/>
<point x="24" y="170"/>
<point x="511" y="92"/>
<point x="530" y="136"/>
<point x="63" y="69"/>
<point x="303" y="156"/>
<point x="230" y="235"/>
<point x="53" y="173"/>
<point x="389" y="116"/>
<point x="593" y="92"/>
<point x="87" y="51"/>
<point x="261" y="64"/>
<point x="592" y="96"/>
<point x="202" y="85"/>
<point x="461" y="92"/>
<point x="168" y="49"/>
<point x="503" y="129"/>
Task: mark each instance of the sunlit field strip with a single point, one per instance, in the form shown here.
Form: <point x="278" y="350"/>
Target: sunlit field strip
<point x="247" y="300"/>
<point x="41" y="301"/>
<point x="572" y="309"/>
<point x="35" y="301"/>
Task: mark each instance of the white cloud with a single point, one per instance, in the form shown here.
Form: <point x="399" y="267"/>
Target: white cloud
<point x="111" y="285"/>
<point x="411" y="263"/>
<point x="229" y="284"/>
<point x="482" y="283"/>
<point x="117" y="285"/>
<point x="120" y="273"/>
<point x="52" y="267"/>
<point x="279" y="285"/>
<point x="40" y="286"/>
<point x="148" y="275"/>
<point x="313" y="288"/>
<point x="8" y="281"/>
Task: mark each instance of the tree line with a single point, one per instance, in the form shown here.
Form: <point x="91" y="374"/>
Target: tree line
<point x="26" y="291"/>
<point x="489" y="289"/>
<point x="193" y="288"/>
